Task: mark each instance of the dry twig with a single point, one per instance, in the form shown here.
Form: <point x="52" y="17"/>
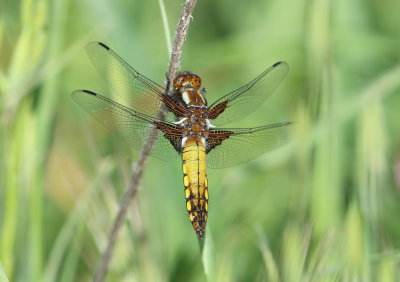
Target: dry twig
<point x="176" y="54"/>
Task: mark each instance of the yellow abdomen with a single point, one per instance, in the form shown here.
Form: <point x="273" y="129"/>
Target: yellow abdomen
<point x="196" y="184"/>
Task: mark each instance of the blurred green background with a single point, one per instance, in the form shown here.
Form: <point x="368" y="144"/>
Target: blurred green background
<point x="326" y="207"/>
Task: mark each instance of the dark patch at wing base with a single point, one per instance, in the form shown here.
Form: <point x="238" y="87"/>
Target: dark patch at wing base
<point x="216" y="137"/>
<point x="172" y="133"/>
<point x="234" y="146"/>
<point x="244" y="100"/>
<point x="133" y="127"/>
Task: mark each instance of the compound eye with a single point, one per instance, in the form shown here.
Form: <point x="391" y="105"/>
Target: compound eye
<point x="178" y="82"/>
<point x="196" y="82"/>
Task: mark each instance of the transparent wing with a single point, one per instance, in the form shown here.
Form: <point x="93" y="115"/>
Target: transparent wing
<point x="232" y="146"/>
<point x="131" y="126"/>
<point x="244" y="100"/>
<point x="140" y="93"/>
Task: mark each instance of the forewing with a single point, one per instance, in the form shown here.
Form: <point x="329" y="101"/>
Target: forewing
<point x="140" y="93"/>
<point x="244" y="100"/>
<point x="233" y="146"/>
<point x="131" y="126"/>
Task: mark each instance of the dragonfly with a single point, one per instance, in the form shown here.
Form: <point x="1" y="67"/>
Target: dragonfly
<point x="190" y="131"/>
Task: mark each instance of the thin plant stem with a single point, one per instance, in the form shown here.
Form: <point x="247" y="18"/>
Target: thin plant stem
<point x="164" y="18"/>
<point x="130" y="192"/>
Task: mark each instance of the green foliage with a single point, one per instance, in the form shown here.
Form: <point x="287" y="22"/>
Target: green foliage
<point x="323" y="208"/>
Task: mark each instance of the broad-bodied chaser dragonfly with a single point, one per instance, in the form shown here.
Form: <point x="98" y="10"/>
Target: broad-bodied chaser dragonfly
<point x="190" y="131"/>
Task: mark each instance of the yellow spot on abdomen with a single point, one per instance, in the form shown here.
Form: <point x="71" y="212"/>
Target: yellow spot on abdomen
<point x="206" y="194"/>
<point x="186" y="181"/>
<point x="188" y="206"/>
<point x="187" y="193"/>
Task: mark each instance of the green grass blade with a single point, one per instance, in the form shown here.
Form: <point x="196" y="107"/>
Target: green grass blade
<point x="207" y="255"/>
<point x="167" y="31"/>
<point x="3" y="276"/>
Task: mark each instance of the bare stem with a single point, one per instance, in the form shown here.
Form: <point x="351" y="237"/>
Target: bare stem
<point x="174" y="64"/>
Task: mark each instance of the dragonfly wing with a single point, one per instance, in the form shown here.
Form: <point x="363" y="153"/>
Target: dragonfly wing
<point x="244" y="100"/>
<point x="139" y="92"/>
<point x="133" y="127"/>
<point x="232" y="146"/>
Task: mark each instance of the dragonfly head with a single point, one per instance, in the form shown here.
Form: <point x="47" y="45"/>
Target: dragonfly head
<point x="186" y="80"/>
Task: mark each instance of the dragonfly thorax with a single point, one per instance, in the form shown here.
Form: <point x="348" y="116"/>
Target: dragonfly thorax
<point x="195" y="126"/>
